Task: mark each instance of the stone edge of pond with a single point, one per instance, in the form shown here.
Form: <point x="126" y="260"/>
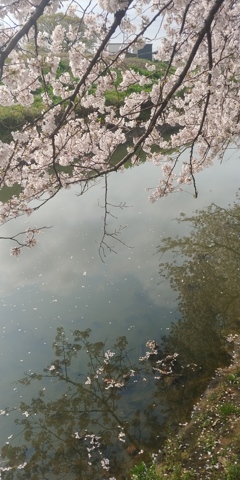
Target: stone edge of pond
<point x="208" y="447"/>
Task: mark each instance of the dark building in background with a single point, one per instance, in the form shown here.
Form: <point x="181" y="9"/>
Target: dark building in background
<point x="145" y="52"/>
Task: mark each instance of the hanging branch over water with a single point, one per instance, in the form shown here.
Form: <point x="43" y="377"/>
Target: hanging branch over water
<point x="107" y="234"/>
<point x="29" y="242"/>
<point x="88" y="102"/>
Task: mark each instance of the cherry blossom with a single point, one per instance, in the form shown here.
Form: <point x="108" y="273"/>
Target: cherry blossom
<point x="191" y="86"/>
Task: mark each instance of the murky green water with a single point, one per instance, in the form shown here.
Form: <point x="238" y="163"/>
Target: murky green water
<point x="75" y="406"/>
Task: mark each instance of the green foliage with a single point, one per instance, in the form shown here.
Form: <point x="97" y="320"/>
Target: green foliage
<point x="16" y="116"/>
<point x="234" y="378"/>
<point x="233" y="472"/>
<point x="6" y="193"/>
<point x="150" y="472"/>
<point x="155" y="75"/>
<point x="228" y="409"/>
<point x="114" y="98"/>
<point x="63" y="67"/>
<point x="144" y="472"/>
<point x="178" y="474"/>
<point x="139" y="65"/>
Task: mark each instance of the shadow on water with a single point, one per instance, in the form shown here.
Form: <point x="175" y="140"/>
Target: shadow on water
<point x="94" y="412"/>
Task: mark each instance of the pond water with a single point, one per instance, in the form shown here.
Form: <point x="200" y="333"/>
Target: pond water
<point x="76" y="401"/>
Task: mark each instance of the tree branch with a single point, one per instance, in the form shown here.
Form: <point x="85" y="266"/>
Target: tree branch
<point x="23" y="31"/>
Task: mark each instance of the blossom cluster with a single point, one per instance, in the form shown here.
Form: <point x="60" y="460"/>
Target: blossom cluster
<point x="192" y="86"/>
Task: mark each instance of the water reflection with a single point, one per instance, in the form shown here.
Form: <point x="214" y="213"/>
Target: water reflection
<point x="65" y="409"/>
<point x="81" y="429"/>
<point x="96" y="412"/>
<point x="206" y="275"/>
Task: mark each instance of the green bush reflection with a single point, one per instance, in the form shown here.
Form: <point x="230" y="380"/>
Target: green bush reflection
<point x="205" y="273"/>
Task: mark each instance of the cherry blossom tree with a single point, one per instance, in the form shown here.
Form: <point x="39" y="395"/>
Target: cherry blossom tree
<point x="47" y="24"/>
<point x="192" y="85"/>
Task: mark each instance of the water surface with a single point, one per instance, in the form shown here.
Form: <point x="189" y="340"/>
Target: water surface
<point x="62" y="287"/>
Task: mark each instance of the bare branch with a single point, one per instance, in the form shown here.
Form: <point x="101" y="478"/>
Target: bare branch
<point x="114" y="235"/>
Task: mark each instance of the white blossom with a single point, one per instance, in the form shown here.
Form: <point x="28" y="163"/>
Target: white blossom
<point x="78" y="128"/>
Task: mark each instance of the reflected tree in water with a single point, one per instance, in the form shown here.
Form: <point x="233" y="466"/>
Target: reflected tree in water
<point x="86" y="417"/>
<point x="96" y="413"/>
<point x="206" y="275"/>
